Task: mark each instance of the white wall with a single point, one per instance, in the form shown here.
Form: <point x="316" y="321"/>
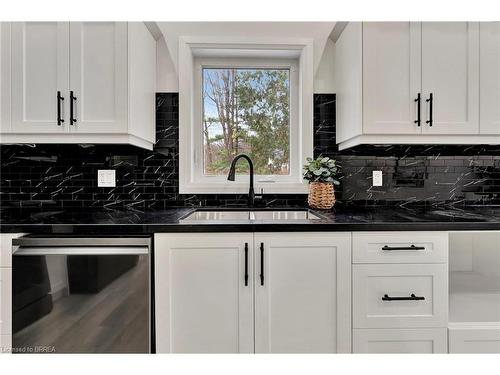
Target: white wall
<point x="167" y="51"/>
<point x="166" y="74"/>
<point x="324" y="78"/>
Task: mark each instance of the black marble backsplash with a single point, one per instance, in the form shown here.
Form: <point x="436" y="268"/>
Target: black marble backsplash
<point x="65" y="176"/>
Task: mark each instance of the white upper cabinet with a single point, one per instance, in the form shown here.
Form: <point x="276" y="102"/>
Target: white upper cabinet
<point x="79" y="82"/>
<point x="98" y="76"/>
<point x="302" y="292"/>
<point x="450" y="72"/>
<point x="418" y="83"/>
<point x="40" y="53"/>
<point x="489" y="42"/>
<point x="391" y="81"/>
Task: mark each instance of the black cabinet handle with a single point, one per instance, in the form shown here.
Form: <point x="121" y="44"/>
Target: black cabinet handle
<point x="418" y="120"/>
<point x="246" y="264"/>
<point x="72" y="100"/>
<point x="60" y="99"/>
<point x="412" y="297"/>
<point x="412" y="247"/>
<point x="430" y="100"/>
<point x="262" y="263"/>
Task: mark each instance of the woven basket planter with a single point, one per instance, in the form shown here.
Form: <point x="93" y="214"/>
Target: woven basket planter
<point x="321" y="195"/>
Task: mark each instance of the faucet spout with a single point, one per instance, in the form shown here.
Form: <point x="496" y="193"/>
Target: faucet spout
<point x="232" y="175"/>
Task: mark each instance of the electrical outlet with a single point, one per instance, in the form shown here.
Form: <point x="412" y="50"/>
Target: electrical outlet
<point x="106" y="178"/>
<point x="377" y="178"/>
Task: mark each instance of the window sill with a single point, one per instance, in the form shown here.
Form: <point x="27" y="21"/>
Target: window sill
<point x="237" y="188"/>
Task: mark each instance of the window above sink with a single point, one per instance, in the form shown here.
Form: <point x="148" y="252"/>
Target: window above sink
<point x="244" y="96"/>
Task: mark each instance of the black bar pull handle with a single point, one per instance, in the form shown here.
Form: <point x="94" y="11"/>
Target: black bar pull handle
<point x="412" y="297"/>
<point x="430" y="101"/>
<point x="60" y="99"/>
<point x="262" y="263"/>
<point x="246" y="263"/>
<point x="72" y="100"/>
<point x="418" y="120"/>
<point x="393" y="248"/>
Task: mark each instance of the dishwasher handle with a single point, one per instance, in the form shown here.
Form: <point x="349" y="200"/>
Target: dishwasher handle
<point x="80" y="250"/>
<point x="80" y="245"/>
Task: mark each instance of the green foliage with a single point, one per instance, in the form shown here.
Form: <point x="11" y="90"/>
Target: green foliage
<point x="322" y="169"/>
<point x="254" y="115"/>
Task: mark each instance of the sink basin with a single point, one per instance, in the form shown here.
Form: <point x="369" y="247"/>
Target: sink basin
<point x="285" y="215"/>
<point x="217" y="216"/>
<point x="249" y="216"/>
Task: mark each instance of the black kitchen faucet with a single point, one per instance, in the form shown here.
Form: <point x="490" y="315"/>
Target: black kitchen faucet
<point x="232" y="174"/>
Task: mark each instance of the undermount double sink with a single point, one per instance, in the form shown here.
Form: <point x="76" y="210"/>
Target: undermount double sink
<point x="250" y="216"/>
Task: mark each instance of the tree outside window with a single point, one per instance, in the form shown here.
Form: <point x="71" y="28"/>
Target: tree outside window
<point x="246" y="111"/>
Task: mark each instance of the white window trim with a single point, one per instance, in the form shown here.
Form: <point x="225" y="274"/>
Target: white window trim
<point x="193" y="54"/>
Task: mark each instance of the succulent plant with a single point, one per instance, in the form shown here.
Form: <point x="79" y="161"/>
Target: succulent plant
<point x="322" y="169"/>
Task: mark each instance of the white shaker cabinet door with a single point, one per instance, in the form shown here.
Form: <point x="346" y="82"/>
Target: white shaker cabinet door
<point x="302" y="292"/>
<point x="98" y="77"/>
<point x="450" y="72"/>
<point x="391" y="77"/>
<point x="489" y="34"/>
<point x="40" y="63"/>
<point x="203" y="303"/>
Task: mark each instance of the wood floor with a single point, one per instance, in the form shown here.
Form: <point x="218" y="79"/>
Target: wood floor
<point x="116" y="320"/>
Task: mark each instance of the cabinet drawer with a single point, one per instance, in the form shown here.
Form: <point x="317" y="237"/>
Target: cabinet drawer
<point x="421" y="340"/>
<point x="400" y="247"/>
<point x="400" y="295"/>
<point x="474" y="339"/>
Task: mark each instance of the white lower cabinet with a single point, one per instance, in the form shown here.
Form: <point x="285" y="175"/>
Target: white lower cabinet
<point x="400" y="295"/>
<point x="6" y="291"/>
<point x="245" y="292"/>
<point x="5" y="344"/>
<point x="5" y="301"/>
<point x="416" y="340"/>
<point x="303" y="303"/>
<point x="400" y="292"/>
<point x="202" y="303"/>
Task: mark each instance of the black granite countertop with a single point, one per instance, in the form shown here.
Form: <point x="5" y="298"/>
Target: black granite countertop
<point x="104" y="222"/>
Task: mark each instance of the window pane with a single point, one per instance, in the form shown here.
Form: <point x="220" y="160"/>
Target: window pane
<point x="246" y="111"/>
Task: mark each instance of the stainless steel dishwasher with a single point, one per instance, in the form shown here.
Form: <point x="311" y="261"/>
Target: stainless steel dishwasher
<point x="81" y="295"/>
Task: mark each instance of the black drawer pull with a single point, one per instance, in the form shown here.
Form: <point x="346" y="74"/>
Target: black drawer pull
<point x="246" y="263"/>
<point x="412" y="247"/>
<point x="412" y="297"/>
